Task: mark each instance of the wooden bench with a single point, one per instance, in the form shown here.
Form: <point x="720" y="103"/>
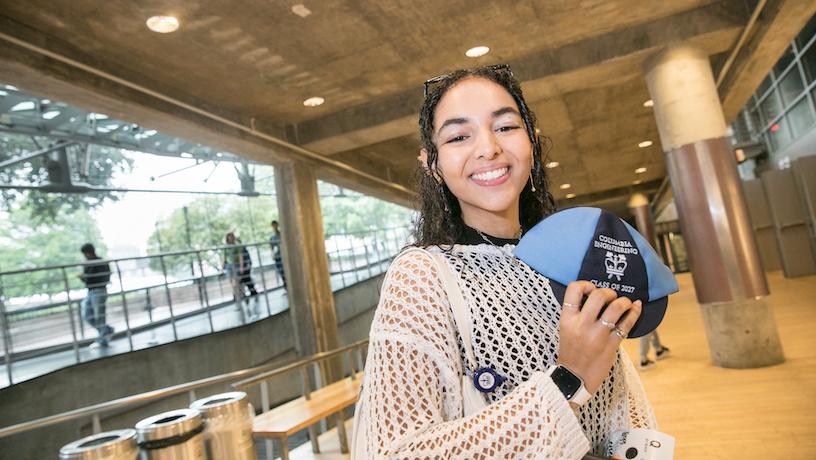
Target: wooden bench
<point x="287" y="419"/>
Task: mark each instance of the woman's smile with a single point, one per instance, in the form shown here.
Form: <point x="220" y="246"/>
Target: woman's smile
<point x="491" y="176"/>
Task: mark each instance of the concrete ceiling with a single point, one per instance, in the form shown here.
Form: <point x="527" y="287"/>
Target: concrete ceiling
<point x="253" y="62"/>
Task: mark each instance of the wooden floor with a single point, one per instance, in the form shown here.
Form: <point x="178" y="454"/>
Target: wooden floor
<point x="716" y="413"/>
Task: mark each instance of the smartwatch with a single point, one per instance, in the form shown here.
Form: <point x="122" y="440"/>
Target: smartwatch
<point x="570" y="384"/>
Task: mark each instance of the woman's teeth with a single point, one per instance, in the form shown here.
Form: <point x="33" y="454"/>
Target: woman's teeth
<point x="490" y="175"/>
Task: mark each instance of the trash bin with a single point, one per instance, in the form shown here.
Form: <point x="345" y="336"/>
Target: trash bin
<point x="111" y="445"/>
<point x="228" y="426"/>
<point x="173" y="435"/>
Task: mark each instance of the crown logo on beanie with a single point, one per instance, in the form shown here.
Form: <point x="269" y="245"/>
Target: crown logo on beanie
<point x="615" y="265"/>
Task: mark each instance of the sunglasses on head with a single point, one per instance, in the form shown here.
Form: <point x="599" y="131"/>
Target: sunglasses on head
<point x="435" y="81"/>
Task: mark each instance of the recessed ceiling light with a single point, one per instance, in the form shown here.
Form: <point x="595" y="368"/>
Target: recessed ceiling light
<point x="314" y="101"/>
<point x="45" y="101"/>
<point x="219" y="154"/>
<point x="21" y="106"/>
<point x="648" y="103"/>
<point x="186" y="155"/>
<point x="301" y="10"/>
<point x="477" y="51"/>
<point x="640" y="170"/>
<point x="50" y="114"/>
<point x="645" y="144"/>
<point x="636" y="182"/>
<point x="565" y="186"/>
<point x="552" y="164"/>
<point x="13" y="88"/>
<point x="3" y="93"/>
<point x="570" y="195"/>
<point x="162" y="24"/>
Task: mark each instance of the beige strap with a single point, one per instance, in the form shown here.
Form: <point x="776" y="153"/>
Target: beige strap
<point x="461" y="313"/>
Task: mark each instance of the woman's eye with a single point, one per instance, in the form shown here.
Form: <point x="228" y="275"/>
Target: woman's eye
<point x="456" y="139"/>
<point x="504" y="129"/>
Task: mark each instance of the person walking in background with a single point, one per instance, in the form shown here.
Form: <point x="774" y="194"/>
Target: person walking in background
<point x="275" y="242"/>
<point x="233" y="261"/>
<point x="96" y="276"/>
<point x="245" y="278"/>
<point x="661" y="352"/>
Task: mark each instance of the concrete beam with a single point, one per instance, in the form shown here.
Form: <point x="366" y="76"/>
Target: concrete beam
<point x="81" y="85"/>
<point x="778" y="24"/>
<point x="712" y="27"/>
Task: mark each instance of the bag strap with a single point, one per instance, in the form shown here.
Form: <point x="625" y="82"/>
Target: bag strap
<point x="461" y="312"/>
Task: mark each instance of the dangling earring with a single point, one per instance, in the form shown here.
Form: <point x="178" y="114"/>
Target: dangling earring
<point x="532" y="184"/>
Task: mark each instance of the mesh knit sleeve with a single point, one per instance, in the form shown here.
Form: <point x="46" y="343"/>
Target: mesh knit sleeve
<point x="411" y="402"/>
<point x="640" y="411"/>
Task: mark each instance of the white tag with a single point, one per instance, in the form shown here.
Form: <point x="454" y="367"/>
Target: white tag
<point x="643" y="444"/>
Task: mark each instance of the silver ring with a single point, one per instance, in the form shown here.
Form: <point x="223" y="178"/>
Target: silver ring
<point x="571" y="305"/>
<point x="620" y="333"/>
<point x="608" y="325"/>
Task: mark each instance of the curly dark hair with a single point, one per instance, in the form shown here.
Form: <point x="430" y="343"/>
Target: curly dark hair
<point x="440" y="217"/>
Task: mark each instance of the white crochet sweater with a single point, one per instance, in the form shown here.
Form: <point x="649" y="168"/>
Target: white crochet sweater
<point x="411" y="403"/>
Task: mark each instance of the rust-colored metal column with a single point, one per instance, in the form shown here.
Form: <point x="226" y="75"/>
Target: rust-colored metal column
<point x="724" y="258"/>
<point x="639" y="206"/>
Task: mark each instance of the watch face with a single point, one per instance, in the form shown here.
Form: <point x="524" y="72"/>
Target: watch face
<point x="567" y="382"/>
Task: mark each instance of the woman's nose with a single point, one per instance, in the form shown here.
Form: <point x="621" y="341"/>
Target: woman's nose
<point x="487" y="146"/>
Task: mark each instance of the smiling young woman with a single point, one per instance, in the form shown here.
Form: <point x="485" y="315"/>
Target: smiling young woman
<point x="468" y="342"/>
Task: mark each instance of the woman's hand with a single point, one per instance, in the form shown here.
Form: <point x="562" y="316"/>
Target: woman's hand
<point x="589" y="343"/>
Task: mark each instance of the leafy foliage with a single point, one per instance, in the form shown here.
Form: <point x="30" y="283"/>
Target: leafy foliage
<point x="210" y="218"/>
<point x="92" y="164"/>
<point x="26" y="243"/>
<point x="359" y="213"/>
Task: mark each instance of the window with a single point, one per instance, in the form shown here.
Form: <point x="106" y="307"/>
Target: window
<point x="755" y="122"/>
<point x="766" y="84"/>
<point x="791" y="86"/>
<point x="770" y="106"/>
<point x="784" y="61"/>
<point x="807" y="33"/>
<point x="809" y="64"/>
<point x="800" y="117"/>
<point x="779" y="134"/>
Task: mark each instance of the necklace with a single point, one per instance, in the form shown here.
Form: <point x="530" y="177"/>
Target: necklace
<point x="489" y="241"/>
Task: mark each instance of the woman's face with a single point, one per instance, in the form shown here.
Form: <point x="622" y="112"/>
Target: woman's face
<point x="485" y="155"/>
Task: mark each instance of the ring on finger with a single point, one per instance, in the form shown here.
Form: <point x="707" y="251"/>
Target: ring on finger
<point x="570" y="305"/>
<point x="608" y="325"/>
<point x="620" y="333"/>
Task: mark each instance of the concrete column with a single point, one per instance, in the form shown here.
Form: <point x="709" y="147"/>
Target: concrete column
<point x="311" y="302"/>
<point x="727" y="272"/>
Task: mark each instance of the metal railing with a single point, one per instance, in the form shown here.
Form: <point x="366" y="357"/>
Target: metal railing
<point x="267" y="371"/>
<point x="157" y="299"/>
<point x="356" y="364"/>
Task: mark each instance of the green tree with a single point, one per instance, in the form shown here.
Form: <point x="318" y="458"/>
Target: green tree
<point x="92" y="164"/>
<point x="359" y="213"/>
<point x="26" y="244"/>
<point x="209" y="219"/>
